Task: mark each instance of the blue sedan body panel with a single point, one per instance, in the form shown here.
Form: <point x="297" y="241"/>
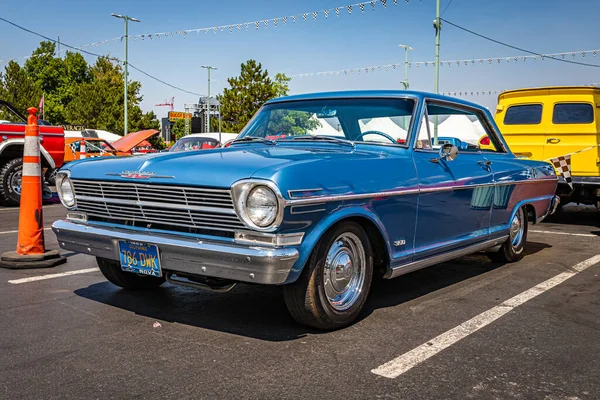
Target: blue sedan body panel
<point x="418" y="205"/>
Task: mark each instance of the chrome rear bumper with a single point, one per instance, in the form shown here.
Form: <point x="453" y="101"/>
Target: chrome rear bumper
<point x="217" y="259"/>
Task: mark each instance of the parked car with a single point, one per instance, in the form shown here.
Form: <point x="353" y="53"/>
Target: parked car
<point x="202" y="141"/>
<point x="12" y="139"/>
<point x="547" y="122"/>
<point x="320" y="215"/>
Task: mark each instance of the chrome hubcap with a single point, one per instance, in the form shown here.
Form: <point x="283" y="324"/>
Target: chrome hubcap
<point x="517" y="228"/>
<point x="344" y="272"/>
<point x="15" y="182"/>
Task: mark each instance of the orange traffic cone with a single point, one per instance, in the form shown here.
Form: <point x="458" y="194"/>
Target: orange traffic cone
<point x="82" y="150"/>
<point x="31" y="251"/>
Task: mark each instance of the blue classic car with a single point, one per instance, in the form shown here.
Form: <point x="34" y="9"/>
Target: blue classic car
<point x="310" y="198"/>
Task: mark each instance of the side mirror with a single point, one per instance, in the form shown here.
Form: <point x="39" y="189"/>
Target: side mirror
<point x="448" y="152"/>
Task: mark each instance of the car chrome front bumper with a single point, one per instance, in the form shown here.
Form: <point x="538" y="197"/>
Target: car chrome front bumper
<point x="217" y="259"/>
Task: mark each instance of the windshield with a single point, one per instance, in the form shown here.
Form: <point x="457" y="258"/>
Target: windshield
<point x="368" y="120"/>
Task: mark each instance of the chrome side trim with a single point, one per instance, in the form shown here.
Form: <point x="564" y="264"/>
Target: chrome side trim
<point x="343" y="197"/>
<point x="404" y="192"/>
<point x="440" y="258"/>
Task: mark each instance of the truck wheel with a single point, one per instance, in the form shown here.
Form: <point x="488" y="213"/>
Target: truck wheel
<point x="513" y="249"/>
<point x="113" y="272"/>
<point x="10" y="182"/>
<point x="335" y="282"/>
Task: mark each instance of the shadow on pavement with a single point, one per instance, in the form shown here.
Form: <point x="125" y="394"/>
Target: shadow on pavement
<point x="259" y="311"/>
<point x="576" y="215"/>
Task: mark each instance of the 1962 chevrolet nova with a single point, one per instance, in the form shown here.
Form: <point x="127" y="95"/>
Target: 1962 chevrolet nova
<point x="319" y="193"/>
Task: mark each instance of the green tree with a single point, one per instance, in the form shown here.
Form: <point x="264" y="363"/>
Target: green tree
<point x="74" y="92"/>
<point x="282" y="87"/>
<point x="178" y="128"/>
<point x="19" y="89"/>
<point x="99" y="103"/>
<point x="247" y="93"/>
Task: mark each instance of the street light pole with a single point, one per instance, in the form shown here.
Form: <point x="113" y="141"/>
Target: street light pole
<point x="437" y="24"/>
<point x="406" y="49"/>
<point x="125" y="63"/>
<point x="208" y="68"/>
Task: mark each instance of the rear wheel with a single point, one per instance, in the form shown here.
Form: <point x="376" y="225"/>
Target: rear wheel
<point x="10" y="182"/>
<point x="334" y="285"/>
<point x="128" y="280"/>
<point x="513" y="249"/>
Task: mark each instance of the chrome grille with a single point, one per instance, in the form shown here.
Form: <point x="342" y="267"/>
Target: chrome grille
<point x="200" y="208"/>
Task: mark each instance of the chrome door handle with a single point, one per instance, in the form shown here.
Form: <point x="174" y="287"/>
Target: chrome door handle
<point x="552" y="140"/>
<point x="485" y="163"/>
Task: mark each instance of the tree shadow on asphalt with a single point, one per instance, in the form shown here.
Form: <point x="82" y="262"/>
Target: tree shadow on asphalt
<point x="259" y="311"/>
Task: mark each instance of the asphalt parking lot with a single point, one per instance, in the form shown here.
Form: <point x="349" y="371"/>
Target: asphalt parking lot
<point x="464" y="329"/>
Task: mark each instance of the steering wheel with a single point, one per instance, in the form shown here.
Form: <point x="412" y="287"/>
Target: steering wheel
<point x="385" y="135"/>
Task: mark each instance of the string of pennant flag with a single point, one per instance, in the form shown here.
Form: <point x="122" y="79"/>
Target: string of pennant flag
<point x="245" y="26"/>
<point x="264" y="23"/>
<point x="449" y="63"/>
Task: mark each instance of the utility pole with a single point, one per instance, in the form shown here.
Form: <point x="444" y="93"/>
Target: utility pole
<point x="406" y="49"/>
<point x="58" y="46"/>
<point x="437" y="24"/>
<point x="208" y="68"/>
<point x="127" y="19"/>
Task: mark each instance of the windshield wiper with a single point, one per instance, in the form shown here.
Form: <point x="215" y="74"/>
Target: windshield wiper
<point x="254" y="139"/>
<point x="326" y="139"/>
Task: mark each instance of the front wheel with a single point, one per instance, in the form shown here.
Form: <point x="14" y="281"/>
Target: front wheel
<point x="10" y="182"/>
<point x="334" y="285"/>
<point x="513" y="249"/>
<point x="128" y="280"/>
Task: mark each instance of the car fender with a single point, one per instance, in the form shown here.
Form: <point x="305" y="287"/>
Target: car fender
<point x="316" y="233"/>
<point x="21" y="142"/>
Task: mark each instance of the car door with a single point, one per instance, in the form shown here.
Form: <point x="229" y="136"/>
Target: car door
<point x="455" y="196"/>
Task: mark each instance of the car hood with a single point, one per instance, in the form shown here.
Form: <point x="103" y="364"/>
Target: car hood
<point x="222" y="167"/>
<point x="128" y="142"/>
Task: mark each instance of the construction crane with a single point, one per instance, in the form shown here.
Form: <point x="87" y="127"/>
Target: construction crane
<point x="168" y="104"/>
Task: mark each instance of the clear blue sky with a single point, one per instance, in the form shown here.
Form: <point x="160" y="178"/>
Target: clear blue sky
<point x="347" y="41"/>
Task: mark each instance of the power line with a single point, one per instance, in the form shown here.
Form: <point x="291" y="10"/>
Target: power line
<point x="97" y="55"/>
<point x="450" y="2"/>
<point x="515" y="47"/>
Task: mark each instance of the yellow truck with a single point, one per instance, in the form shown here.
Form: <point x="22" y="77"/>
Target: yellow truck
<point x="549" y="122"/>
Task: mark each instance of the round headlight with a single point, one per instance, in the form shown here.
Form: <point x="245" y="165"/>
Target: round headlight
<point x="65" y="192"/>
<point x="262" y="206"/>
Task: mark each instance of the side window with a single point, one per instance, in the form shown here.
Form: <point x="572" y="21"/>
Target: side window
<point x="526" y="114"/>
<point x="573" y="113"/>
<point x="462" y="128"/>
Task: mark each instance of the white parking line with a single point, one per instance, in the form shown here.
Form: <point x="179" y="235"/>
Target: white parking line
<point x="405" y="362"/>
<point x="51" y="276"/>
<point x="7" y="232"/>
<point x="566" y="233"/>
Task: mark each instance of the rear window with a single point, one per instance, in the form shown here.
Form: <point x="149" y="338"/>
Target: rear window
<point x="528" y="114"/>
<point x="573" y="113"/>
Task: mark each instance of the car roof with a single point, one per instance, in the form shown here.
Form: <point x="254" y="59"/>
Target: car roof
<point x="373" y="94"/>
<point x="551" y="88"/>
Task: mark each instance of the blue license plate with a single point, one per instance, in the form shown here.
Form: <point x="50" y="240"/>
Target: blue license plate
<point x="139" y="258"/>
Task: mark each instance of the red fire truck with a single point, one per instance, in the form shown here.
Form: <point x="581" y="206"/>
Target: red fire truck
<point x="12" y="138"/>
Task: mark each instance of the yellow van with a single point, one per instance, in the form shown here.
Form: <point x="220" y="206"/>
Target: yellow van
<point x="547" y="122"/>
